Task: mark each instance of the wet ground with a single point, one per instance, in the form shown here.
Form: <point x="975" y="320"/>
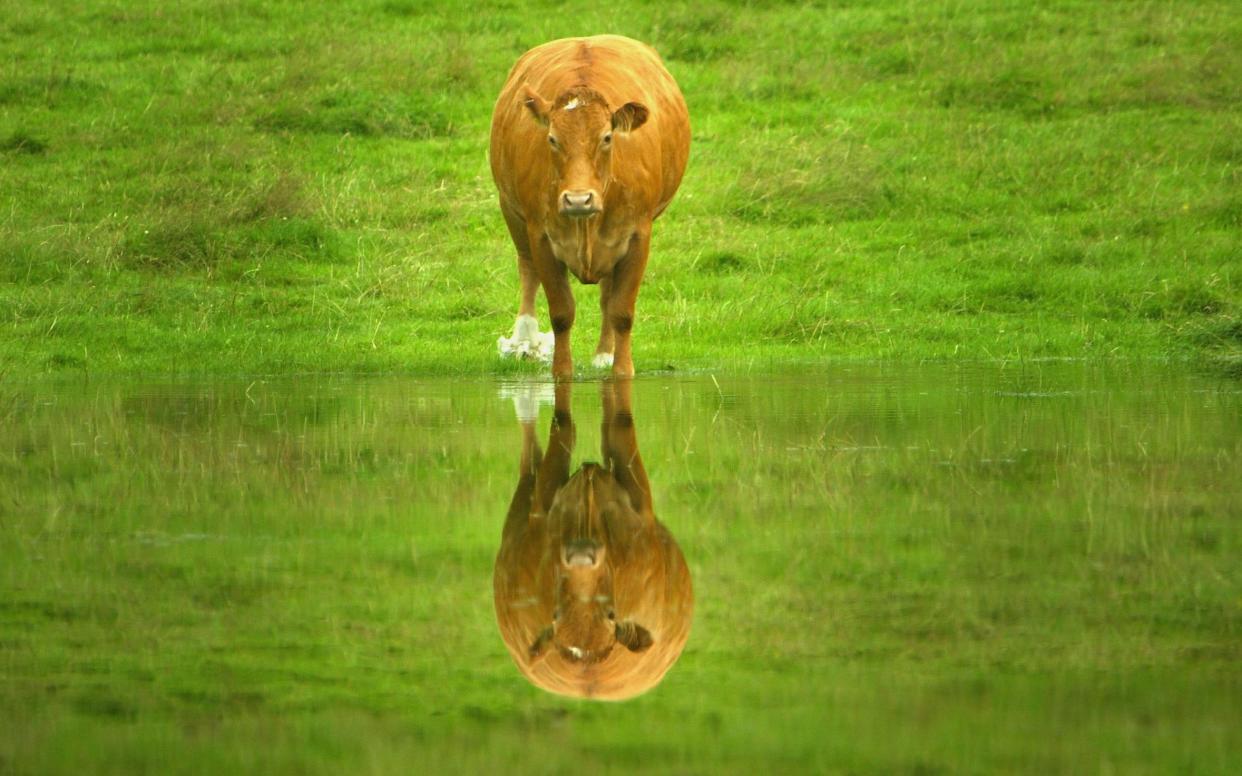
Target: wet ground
<point x="914" y="568"/>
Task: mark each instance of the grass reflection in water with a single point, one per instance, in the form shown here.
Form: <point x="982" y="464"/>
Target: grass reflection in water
<point x="895" y="568"/>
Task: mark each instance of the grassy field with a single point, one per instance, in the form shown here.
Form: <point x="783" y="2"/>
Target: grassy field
<point x="223" y="187"/>
<point x="1020" y="570"/>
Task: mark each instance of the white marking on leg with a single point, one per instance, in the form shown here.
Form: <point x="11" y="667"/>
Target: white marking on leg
<point x="525" y="328"/>
<point x="527" y="341"/>
<point x="602" y="360"/>
<point x="527" y="398"/>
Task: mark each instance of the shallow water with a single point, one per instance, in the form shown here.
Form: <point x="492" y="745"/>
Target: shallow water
<point x="914" y="568"/>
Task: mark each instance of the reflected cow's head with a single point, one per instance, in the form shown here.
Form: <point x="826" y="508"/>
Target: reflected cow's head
<point x="593" y="596"/>
<point x="585" y="626"/>
<point x="581" y="129"/>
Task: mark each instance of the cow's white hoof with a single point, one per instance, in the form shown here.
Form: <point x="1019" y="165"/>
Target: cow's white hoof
<point x="602" y="360"/>
<point x="527" y="341"/>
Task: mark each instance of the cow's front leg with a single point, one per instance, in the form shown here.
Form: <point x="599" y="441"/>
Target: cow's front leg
<point x="626" y="279"/>
<point x="603" y="351"/>
<point x="531" y="341"/>
<point x="619" y="443"/>
<point x="554" y="468"/>
<point x="555" y="280"/>
<point x="527" y="341"/>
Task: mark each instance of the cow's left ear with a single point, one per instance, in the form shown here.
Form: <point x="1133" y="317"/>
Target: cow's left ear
<point x="537" y="105"/>
<point x="635" y="637"/>
<point x="629" y="117"/>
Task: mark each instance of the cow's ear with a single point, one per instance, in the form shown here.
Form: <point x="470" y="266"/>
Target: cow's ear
<point x="537" y="105"/>
<point x="635" y="637"/>
<point x="629" y="117"/>
<point x="540" y="644"/>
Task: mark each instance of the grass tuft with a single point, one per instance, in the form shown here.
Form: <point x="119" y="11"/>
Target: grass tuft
<point x="348" y="112"/>
<point x="1013" y="90"/>
<point x="56" y="88"/>
<point x="23" y="143"/>
<point x="815" y="181"/>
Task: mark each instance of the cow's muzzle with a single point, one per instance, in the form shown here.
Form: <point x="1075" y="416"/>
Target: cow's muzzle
<point x="579" y="204"/>
<point x="582" y="553"/>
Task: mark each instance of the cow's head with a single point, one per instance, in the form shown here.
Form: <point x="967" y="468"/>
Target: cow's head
<point x="585" y="627"/>
<point x="581" y="127"/>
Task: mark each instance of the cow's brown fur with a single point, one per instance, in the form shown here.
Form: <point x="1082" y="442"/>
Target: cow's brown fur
<point x="579" y="90"/>
<point x="643" y="578"/>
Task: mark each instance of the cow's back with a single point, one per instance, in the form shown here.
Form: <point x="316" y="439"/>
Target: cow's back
<point x="621" y="70"/>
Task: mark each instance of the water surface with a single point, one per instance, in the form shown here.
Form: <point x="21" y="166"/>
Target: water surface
<point x="924" y="568"/>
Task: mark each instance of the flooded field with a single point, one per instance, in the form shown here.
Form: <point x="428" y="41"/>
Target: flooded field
<point x="926" y="569"/>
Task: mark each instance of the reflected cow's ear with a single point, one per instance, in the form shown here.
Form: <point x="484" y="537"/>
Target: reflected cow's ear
<point x="540" y="644"/>
<point x="629" y="117"/>
<point x="537" y="106"/>
<point x="635" y="637"/>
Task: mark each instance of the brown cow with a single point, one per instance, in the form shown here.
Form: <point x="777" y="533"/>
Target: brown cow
<point x="592" y="593"/>
<point x="590" y="138"/>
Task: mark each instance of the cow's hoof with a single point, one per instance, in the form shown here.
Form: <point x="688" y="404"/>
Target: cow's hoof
<point x="602" y="360"/>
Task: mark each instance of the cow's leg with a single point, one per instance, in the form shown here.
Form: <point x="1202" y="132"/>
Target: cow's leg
<point x="626" y="279"/>
<point x="555" y="280"/>
<point x="554" y="468"/>
<point x="530" y="285"/>
<point x="620" y="446"/>
<point x="527" y="341"/>
<point x="522" y="506"/>
<point x="603" y="351"/>
<point x="526" y="271"/>
<point x="531" y="454"/>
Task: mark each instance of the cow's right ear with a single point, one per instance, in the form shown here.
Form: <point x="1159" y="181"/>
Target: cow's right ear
<point x="629" y="117"/>
<point x="635" y="637"/>
<point x="537" y="106"/>
<point x="540" y="645"/>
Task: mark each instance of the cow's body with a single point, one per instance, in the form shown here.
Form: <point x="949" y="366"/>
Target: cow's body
<point x="590" y="138"/>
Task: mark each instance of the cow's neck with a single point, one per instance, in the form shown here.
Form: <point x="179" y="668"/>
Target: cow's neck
<point x="575" y="242"/>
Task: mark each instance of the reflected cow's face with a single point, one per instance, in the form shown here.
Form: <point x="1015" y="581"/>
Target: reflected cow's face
<point x="593" y="596"/>
<point x="585" y="627"/>
<point x="581" y="129"/>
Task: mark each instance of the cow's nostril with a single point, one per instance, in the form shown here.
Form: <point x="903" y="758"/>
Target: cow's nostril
<point x="578" y="200"/>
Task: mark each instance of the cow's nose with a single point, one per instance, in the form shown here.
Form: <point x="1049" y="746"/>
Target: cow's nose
<point x="578" y="203"/>
<point x="581" y="552"/>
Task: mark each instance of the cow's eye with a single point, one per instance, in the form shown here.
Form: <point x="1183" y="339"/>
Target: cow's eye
<point x="608" y="138"/>
<point x="551" y="141"/>
<point x="612" y="615"/>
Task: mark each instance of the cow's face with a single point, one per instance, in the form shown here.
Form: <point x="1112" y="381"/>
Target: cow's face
<point x="581" y="128"/>
<point x="585" y="626"/>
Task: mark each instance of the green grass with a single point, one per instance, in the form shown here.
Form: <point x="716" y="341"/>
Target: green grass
<point x="898" y="570"/>
<point x="217" y="187"/>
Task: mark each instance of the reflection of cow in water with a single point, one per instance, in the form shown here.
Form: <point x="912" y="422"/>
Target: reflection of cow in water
<point x="592" y="594"/>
